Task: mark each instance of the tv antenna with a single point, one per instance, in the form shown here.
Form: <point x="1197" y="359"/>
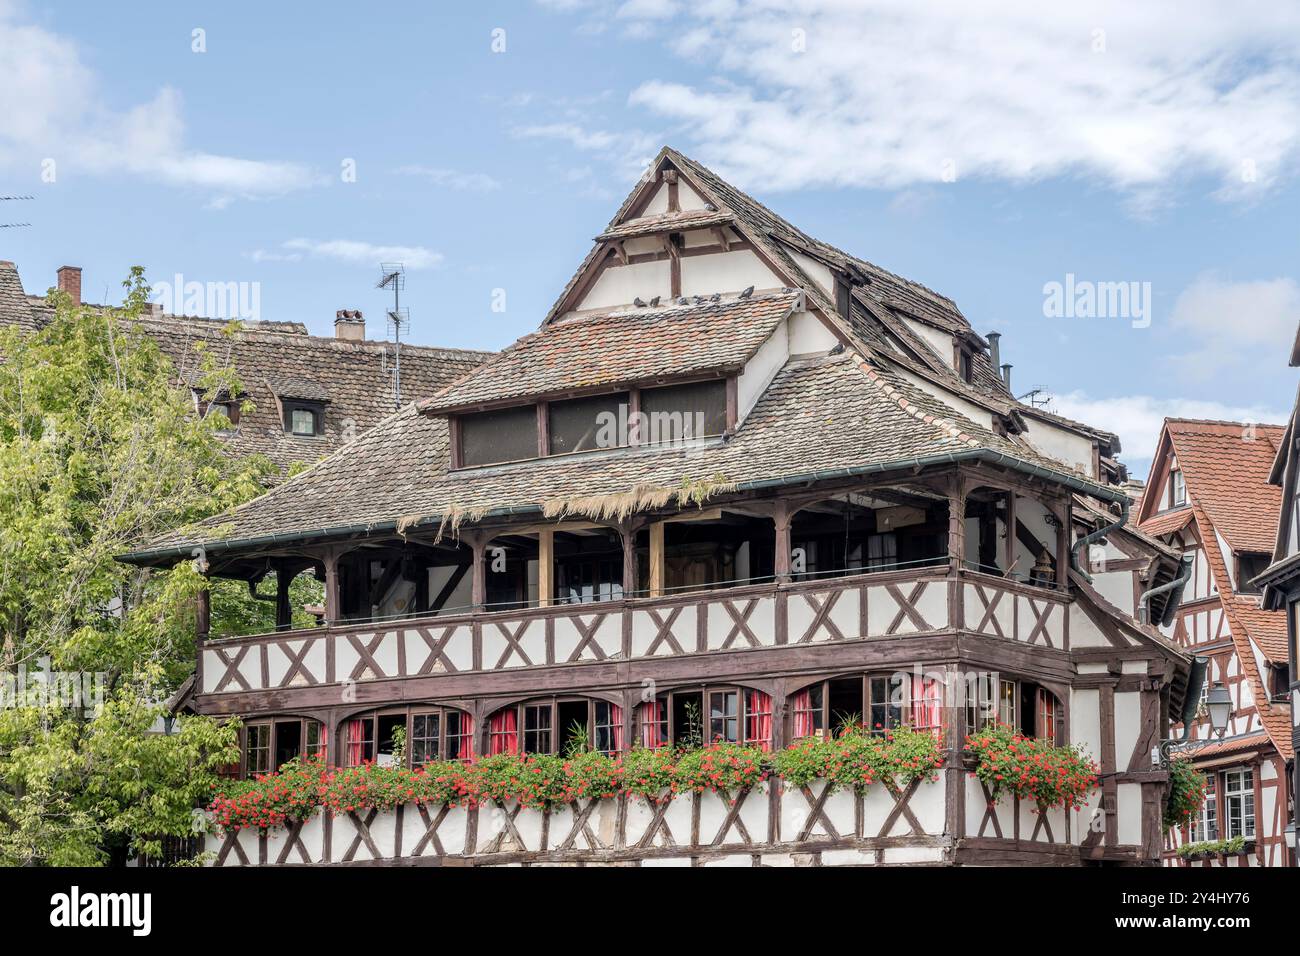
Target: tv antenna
<point x="393" y="276"/>
<point x="1038" y="397"/>
<point x="14" y="225"/>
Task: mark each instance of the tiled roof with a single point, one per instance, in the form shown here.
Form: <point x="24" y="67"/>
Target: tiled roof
<point x="1267" y="628"/>
<point x="280" y="359"/>
<point x="15" y="309"/>
<point x="1168" y="522"/>
<point x="631" y="345"/>
<point x="1226" y="466"/>
<point x="666" y="222"/>
<point x="1219" y="748"/>
<point x="349" y="378"/>
<point x="836" y="414"/>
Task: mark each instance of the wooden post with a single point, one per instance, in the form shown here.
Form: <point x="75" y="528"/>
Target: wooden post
<point x="331" y="562"/>
<point x="781" y="518"/>
<point x="1009" y="549"/>
<point x="956" y="524"/>
<point x="657" y="559"/>
<point x="283" y="610"/>
<point x="1063" y="542"/>
<point x="478" y="544"/>
<point x="627" y="532"/>
<point x="545" y="567"/>
<point x="203" y="613"/>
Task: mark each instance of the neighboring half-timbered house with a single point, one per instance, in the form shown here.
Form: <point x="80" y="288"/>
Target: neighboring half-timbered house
<point x="1209" y="494"/>
<point x="739" y="485"/>
<point x="303" y="395"/>
<point x="1281" y="581"/>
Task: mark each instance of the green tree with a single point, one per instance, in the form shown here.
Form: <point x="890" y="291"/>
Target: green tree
<point x="101" y="449"/>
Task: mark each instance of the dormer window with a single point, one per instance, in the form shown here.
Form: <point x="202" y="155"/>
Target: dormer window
<point x="303" y="419"/>
<point x="491" y="438"/>
<point x="1177" y="489"/>
<point x="678" y="413"/>
<point x="964" y="365"/>
<point x="586" y="424"/>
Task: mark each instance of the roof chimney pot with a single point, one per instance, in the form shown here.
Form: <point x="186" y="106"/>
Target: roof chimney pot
<point x="995" y="351"/>
<point x="70" y="282"/>
<point x="349" y="325"/>
<point x="1006" y="376"/>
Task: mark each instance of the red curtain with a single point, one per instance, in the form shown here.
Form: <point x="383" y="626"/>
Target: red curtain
<point x="649" y="717"/>
<point x="616" y="720"/>
<point x="356" y="739"/>
<point x="503" y="732"/>
<point x="804" y="719"/>
<point x="758" y="719"/>
<point x="927" y="704"/>
<point x="467" y="743"/>
<point x="1046" y="728"/>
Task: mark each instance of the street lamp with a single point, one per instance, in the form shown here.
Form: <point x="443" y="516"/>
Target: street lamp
<point x="1219" y="703"/>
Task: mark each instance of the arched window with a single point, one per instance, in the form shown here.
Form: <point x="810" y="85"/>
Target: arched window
<point x="876" y="702"/>
<point x="692" y="716"/>
<point x="1024" y="705"/>
<point x="431" y="732"/>
<point x="268" y="744"/>
<point x="556" y="725"/>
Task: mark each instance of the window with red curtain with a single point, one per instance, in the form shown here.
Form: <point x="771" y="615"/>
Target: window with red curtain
<point x="807" y="705"/>
<point x="608" y="727"/>
<point x="503" y="732"/>
<point x="460" y="735"/>
<point x="360" y="741"/>
<point x="652" y="724"/>
<point x="927" y="704"/>
<point x="1046" y="716"/>
<point x="758" y="719"/>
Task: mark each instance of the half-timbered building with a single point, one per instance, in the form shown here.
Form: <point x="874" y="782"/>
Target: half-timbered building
<point x="1209" y="494"/>
<point x="1281" y="581"/>
<point x="740" y="485"/>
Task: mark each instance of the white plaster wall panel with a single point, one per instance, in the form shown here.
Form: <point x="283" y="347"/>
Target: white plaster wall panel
<point x="1133" y="667"/>
<point x="667" y="861"/>
<point x="688" y="198"/>
<point x="608" y="637"/>
<point x="645" y="630"/>
<point x="1086" y="818"/>
<point x="1128" y="723"/>
<point x="761" y="622"/>
<point x="251" y="668"/>
<point x="1040" y="621"/>
<point x="849" y="858"/>
<point x="678" y="820"/>
<point x="737" y="859"/>
<point x="843" y="614"/>
<point x="817" y="271"/>
<point x="940" y="342"/>
<point x="933" y="605"/>
<point x="1001" y="613"/>
<point x="213" y="670"/>
<point x="981" y="416"/>
<point x="619" y="285"/>
<point x="725" y="272"/>
<point x="1062" y="444"/>
<point x="760" y="370"/>
<point x="900" y="855"/>
<point x="658" y="202"/>
<point x="976" y="806"/>
<point x="1085" y="720"/>
<point x="277" y="664"/>
<point x="1128" y="805"/>
<point x="929" y="804"/>
<point x="1117" y="588"/>
<point x="809" y="335"/>
<point x="1084" y="633"/>
<point x="641" y="245"/>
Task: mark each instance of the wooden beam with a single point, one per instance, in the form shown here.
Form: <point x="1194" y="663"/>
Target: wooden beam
<point x="479" y="590"/>
<point x="203" y="613"/>
<point x="720" y="234"/>
<point x="627" y="534"/>
<point x="1009" y="549"/>
<point x="545" y="567"/>
<point x="331" y="562"/>
<point x="657" y="559"/>
<point x="781" y="518"/>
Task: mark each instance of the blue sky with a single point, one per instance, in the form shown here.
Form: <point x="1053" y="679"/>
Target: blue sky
<point x="982" y="155"/>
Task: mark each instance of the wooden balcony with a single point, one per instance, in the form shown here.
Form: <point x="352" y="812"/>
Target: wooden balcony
<point x="886" y="605"/>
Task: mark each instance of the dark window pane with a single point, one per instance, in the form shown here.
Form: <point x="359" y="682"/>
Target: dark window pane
<point x="583" y="424"/>
<point x="681" y="412"/>
<point x="490" y="437"/>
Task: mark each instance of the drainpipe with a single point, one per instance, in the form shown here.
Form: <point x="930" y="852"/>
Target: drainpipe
<point x="1176" y="585"/>
<point x="1097" y="536"/>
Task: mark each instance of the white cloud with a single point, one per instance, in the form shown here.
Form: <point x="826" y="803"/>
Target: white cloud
<point x="885" y="93"/>
<point x="52" y="108"/>
<point x="1137" y="419"/>
<point x="452" y="178"/>
<point x="1231" y="316"/>
<point x="365" y="253"/>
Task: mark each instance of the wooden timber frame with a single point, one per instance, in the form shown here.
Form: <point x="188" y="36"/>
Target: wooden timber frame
<point x="775" y="637"/>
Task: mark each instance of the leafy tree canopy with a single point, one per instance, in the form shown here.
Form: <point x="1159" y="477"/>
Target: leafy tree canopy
<point x="100" y="449"/>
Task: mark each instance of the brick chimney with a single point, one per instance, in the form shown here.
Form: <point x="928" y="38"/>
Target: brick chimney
<point x="70" y="282"/>
<point x="349" y="324"/>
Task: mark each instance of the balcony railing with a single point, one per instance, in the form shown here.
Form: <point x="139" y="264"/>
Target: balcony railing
<point x="882" y="604"/>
